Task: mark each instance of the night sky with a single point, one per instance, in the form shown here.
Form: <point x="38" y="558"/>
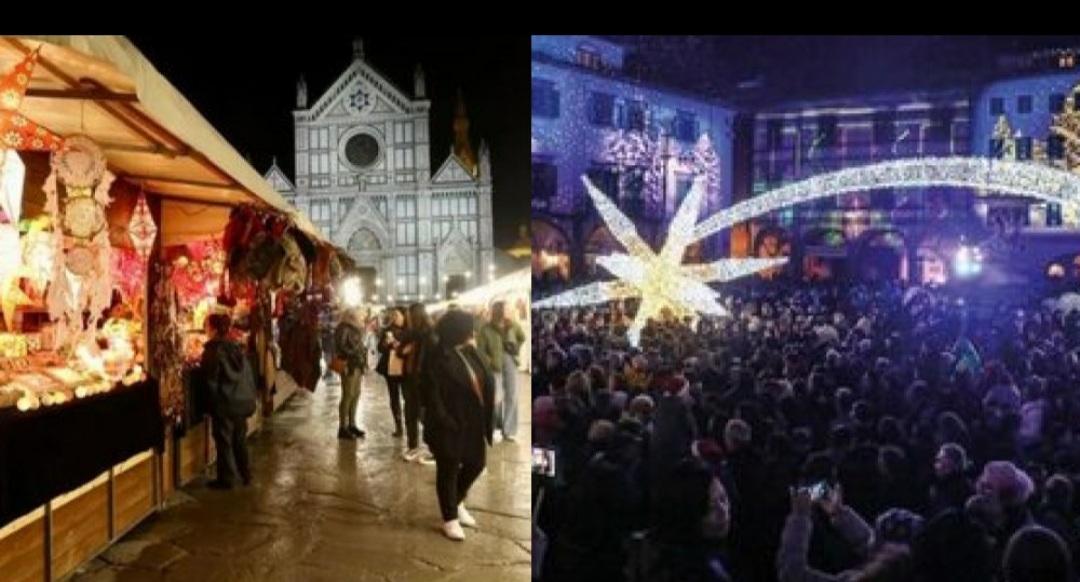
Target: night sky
<point x="245" y="85"/>
<point x="775" y="69"/>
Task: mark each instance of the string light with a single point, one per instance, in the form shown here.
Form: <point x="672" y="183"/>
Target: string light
<point x="661" y="280"/>
<point x="1005" y="176"/>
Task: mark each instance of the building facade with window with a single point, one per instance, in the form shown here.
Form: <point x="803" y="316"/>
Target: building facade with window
<point x="364" y="176"/>
<point x="873" y="234"/>
<point x="640" y="144"/>
<point x="1014" y="119"/>
<point x="1034" y="118"/>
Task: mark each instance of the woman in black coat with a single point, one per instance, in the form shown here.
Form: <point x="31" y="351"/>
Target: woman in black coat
<point x="459" y="417"/>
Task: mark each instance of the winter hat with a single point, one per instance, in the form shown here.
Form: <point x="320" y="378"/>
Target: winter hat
<point x="1007" y="482"/>
<point x="898" y="526"/>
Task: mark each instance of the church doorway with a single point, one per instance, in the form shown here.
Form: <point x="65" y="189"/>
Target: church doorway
<point x="367" y="281"/>
<point x="455" y="284"/>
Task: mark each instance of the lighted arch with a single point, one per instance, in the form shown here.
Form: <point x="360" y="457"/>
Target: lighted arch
<point x="1004" y="176"/>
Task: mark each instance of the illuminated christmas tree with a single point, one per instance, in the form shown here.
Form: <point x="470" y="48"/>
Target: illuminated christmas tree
<point x="1067" y="125"/>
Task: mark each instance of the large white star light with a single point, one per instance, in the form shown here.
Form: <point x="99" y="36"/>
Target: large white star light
<point x="661" y="280"/>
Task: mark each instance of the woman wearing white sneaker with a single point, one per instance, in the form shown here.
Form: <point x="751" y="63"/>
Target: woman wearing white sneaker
<point x="458" y="417"/>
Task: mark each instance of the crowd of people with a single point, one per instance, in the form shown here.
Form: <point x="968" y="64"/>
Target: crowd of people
<point x="819" y="433"/>
<point x="457" y="377"/>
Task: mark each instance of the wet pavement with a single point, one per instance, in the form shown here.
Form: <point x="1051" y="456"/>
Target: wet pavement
<point x="321" y="509"/>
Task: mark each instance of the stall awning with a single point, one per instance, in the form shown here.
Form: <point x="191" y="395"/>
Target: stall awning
<point x="103" y="87"/>
<point x="518" y="283"/>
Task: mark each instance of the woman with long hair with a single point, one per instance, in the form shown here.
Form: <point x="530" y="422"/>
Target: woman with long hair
<point x="349" y="344"/>
<point x="390" y="365"/>
<point x="458" y="418"/>
<point x="418" y="344"/>
<point x="499" y="343"/>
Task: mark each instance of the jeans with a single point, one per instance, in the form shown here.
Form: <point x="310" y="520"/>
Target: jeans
<point x="393" y="387"/>
<point x="506" y="405"/>
<point x="230" y="440"/>
<point x="411" y="388"/>
<point x="350" y="397"/>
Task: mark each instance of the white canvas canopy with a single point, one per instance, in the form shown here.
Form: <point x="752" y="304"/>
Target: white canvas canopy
<point x="104" y="88"/>
<point x="516" y="284"/>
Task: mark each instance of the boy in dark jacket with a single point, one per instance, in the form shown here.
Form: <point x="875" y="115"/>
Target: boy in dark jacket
<point x="230" y="382"/>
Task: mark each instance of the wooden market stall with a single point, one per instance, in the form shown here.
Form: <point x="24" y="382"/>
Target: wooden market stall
<point x="124" y="219"/>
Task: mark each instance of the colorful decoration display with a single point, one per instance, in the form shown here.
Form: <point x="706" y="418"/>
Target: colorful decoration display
<point x="661" y="280"/>
<point x="198" y="272"/>
<point x="142" y="229"/>
<point x="168" y="345"/>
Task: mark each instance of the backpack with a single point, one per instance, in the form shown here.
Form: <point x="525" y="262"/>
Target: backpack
<point x="232" y="389"/>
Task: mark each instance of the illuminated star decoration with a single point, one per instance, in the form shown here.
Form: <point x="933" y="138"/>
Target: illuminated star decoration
<point x="16" y="131"/>
<point x="661" y="280"/>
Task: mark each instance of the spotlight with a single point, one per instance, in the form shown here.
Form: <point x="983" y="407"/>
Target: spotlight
<point x="351" y="293"/>
<point x="968" y="261"/>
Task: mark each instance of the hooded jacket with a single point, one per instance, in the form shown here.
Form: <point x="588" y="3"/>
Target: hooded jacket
<point x="230" y="379"/>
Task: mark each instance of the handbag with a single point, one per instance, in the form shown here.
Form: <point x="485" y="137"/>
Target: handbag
<point x="338" y="365"/>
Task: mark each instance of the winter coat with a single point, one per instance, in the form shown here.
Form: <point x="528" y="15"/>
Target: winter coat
<point x="383" y="365"/>
<point x="492" y="342"/>
<point x="349" y="344"/>
<point x="791" y="560"/>
<point x="229" y="379"/>
<point x="453" y="416"/>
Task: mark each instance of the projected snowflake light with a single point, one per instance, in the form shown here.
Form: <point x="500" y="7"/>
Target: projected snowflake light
<point x="1004" y="176"/>
<point x="661" y="280"/>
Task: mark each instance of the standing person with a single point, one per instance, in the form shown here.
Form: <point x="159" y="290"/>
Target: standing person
<point x="230" y="383"/>
<point x="417" y="344"/>
<point x="390" y="364"/>
<point x="349" y="345"/>
<point x="458" y="417"/>
<point x="499" y="342"/>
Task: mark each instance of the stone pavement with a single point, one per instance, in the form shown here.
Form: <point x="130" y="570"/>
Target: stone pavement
<point x="321" y="509"/>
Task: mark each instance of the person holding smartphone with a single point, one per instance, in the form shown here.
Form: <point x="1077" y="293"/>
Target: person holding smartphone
<point x="792" y="561"/>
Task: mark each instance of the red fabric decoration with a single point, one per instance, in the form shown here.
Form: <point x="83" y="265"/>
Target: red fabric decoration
<point x="16" y="131"/>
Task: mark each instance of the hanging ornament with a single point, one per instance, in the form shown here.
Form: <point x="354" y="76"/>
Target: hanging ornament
<point x="142" y="229"/>
<point x="16" y="131"/>
<point x="82" y="274"/>
<point x="12" y="179"/>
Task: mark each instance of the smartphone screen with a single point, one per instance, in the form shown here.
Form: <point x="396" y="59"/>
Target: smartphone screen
<point x="543" y="461"/>
<point x="819" y="490"/>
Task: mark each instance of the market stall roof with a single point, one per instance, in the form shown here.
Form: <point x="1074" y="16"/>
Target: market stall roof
<point x="103" y="87"/>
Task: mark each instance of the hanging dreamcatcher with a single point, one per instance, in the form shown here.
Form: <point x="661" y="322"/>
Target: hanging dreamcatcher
<point x="82" y="274"/>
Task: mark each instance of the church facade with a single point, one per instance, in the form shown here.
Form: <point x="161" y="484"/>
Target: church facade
<point x="364" y="177"/>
